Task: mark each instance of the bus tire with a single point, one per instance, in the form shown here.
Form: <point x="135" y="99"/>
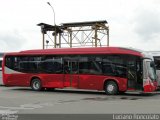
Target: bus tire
<point x="36" y="84"/>
<point x="111" y="88"/>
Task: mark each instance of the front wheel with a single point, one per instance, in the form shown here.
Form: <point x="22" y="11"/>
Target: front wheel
<point x="36" y="84"/>
<point x="111" y="88"/>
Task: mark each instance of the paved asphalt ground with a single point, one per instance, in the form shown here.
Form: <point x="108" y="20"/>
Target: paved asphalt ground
<point x="18" y="100"/>
<point x="68" y="101"/>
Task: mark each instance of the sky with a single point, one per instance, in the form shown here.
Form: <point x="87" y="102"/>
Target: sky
<point x="132" y="23"/>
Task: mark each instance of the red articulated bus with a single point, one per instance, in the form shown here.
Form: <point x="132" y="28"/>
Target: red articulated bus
<point x="112" y="69"/>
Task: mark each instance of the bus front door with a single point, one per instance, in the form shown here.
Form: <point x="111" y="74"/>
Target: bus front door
<point x="135" y="73"/>
<point x="71" y="76"/>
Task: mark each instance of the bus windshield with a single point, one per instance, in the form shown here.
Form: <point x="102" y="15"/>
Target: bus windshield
<point x="151" y="70"/>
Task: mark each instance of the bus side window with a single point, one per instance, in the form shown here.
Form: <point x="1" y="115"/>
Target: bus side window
<point x="114" y="65"/>
<point x="74" y="67"/>
<point x="66" y="68"/>
<point x="83" y="65"/>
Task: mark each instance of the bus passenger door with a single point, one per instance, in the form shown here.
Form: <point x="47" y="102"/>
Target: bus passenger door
<point x="71" y="76"/>
<point x="134" y="73"/>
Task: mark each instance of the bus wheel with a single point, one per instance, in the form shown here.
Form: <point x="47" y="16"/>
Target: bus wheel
<point x="111" y="88"/>
<point x="36" y="84"/>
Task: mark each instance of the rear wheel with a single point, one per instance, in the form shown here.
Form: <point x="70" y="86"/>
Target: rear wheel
<point x="36" y="84"/>
<point x="111" y="88"/>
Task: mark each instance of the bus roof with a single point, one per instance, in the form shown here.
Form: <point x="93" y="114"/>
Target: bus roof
<point x="73" y="51"/>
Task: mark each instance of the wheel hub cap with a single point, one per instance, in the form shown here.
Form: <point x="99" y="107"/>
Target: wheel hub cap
<point x="110" y="88"/>
<point x="36" y="85"/>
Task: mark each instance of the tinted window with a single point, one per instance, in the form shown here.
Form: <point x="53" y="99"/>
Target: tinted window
<point x="35" y="64"/>
<point x="29" y="64"/>
<point x="70" y="64"/>
<point x="90" y="65"/>
<point x="114" y="65"/>
<point x="51" y="64"/>
<point x="84" y="65"/>
<point x="12" y="62"/>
